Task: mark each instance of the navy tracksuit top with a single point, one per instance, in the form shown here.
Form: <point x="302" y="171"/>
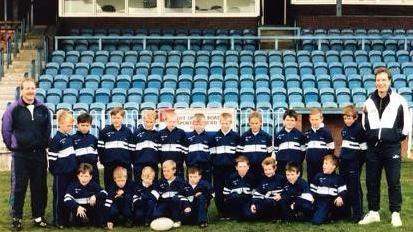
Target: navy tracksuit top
<point x="61" y="154"/>
<point x="240" y="186"/>
<point x="143" y="193"/>
<point x="290" y="146"/>
<point x="78" y="194"/>
<point x="146" y="146"/>
<point x="114" y="146"/>
<point x="354" y="142"/>
<point x="164" y="190"/>
<point x="198" y="148"/>
<point x="85" y="146"/>
<point x="256" y="147"/>
<point x="268" y="187"/>
<point x="173" y="145"/>
<point x="299" y="189"/>
<point x="203" y="187"/>
<point x="328" y="186"/>
<point x="319" y="143"/>
<point x="128" y="191"/>
<point x="224" y="148"/>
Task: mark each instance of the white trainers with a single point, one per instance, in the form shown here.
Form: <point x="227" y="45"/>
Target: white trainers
<point x="396" y="221"/>
<point x="371" y="216"/>
<point x="176" y="224"/>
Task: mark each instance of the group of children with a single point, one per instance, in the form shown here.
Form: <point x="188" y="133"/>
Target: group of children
<point x="266" y="182"/>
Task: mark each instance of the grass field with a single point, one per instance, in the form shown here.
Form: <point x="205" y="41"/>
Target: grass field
<point x="215" y="225"/>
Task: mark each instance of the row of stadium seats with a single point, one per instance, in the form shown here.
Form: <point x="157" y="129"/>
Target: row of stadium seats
<point x="191" y="56"/>
<point x="220" y="68"/>
<point x="357" y="32"/>
<point x="216" y="81"/>
<point x="216" y="97"/>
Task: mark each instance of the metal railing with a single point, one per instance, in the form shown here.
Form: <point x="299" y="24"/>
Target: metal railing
<point x="232" y="39"/>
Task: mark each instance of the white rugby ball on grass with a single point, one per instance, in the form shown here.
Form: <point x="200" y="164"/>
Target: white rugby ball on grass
<point x="162" y="224"/>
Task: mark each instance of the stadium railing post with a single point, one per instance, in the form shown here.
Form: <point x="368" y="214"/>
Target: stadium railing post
<point x="1" y="64"/>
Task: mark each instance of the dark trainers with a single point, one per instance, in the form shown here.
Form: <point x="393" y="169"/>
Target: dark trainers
<point x="42" y="224"/>
<point x="16" y="224"/>
<point x="203" y="225"/>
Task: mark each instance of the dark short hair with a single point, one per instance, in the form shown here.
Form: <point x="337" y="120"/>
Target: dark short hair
<point x="291" y="114"/>
<point x="293" y="167"/>
<point x="382" y="70"/>
<point x="194" y="169"/>
<point x="85" y="168"/>
<point x="83" y="118"/>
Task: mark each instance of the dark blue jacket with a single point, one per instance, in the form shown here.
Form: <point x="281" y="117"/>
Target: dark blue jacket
<point x="78" y="194"/>
<point x="143" y="193"/>
<point x="174" y="145"/>
<point x="61" y="154"/>
<point x="85" y="146"/>
<point x="298" y="190"/>
<point x="114" y="146"/>
<point x="237" y="186"/>
<point x="268" y="187"/>
<point x="319" y="143"/>
<point x="126" y="198"/>
<point x="256" y="147"/>
<point x="146" y="146"/>
<point x="290" y="146"/>
<point x="198" y="148"/>
<point x="23" y="131"/>
<point x="224" y="148"/>
<point x="204" y="188"/>
<point x="328" y="186"/>
<point x="354" y="142"/>
<point x="165" y="191"/>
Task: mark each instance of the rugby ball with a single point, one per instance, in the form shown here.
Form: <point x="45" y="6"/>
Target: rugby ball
<point x="162" y="224"/>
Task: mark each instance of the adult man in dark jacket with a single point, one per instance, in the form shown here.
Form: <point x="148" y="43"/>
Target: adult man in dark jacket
<point x="26" y="132"/>
<point x="387" y="122"/>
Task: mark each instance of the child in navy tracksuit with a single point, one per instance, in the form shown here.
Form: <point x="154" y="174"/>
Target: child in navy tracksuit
<point x="199" y="147"/>
<point x="62" y="165"/>
<point x="143" y="200"/>
<point x="84" y="199"/>
<point x="329" y="191"/>
<point x="223" y="149"/>
<point x="255" y="144"/>
<point x="201" y="199"/>
<point x="289" y="143"/>
<point x="85" y="144"/>
<point x="173" y="195"/>
<point x="118" y="204"/>
<point x="352" y="157"/>
<point x="114" y="146"/>
<point x="295" y="200"/>
<point x="146" y="145"/>
<point x="238" y="190"/>
<point x="173" y="143"/>
<point x="264" y="204"/>
<point x="319" y="143"/>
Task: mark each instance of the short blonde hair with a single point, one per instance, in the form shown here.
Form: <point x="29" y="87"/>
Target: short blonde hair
<point x="269" y="161"/>
<point x="255" y="114"/>
<point x="26" y="80"/>
<point x="351" y="111"/>
<point x="64" y="114"/>
<point x="169" y="164"/>
<point x="226" y="116"/>
<point x="169" y="114"/>
<point x="119" y="172"/>
<point x="198" y="117"/>
<point x="315" y="111"/>
<point x="149" y="114"/>
<point x="148" y="172"/>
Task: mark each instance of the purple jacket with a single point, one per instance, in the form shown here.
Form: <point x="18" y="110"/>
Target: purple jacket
<point x="23" y="131"/>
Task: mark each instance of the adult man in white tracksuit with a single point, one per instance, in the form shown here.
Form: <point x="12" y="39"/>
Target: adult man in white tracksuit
<point x="387" y="121"/>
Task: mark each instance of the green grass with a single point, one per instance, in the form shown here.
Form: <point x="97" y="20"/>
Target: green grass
<point x="215" y="225"/>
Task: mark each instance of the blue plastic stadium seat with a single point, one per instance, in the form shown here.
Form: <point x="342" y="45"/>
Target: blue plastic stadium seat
<point x="81" y="107"/>
<point x="410" y="80"/>
<point x="68" y="45"/>
<point x="303" y="56"/>
<point x="407" y="68"/>
<point x="233" y="68"/>
<point x="154" y="81"/>
<point x="394" y="67"/>
<point x="45" y="81"/>
<point x="142" y="69"/>
<point x="354" y="81"/>
<point x="323" y="81"/>
<point x="377" y="65"/>
<point x="183" y="95"/>
<point x="102" y="57"/>
<point x="339" y="81"/>
<point x="247" y="95"/>
<point x="361" y="56"/>
<point x="135" y="95"/>
<point x="86" y="95"/>
<point x="231" y="56"/>
<point x="82" y="69"/>
<point x="131" y="56"/>
<point x="53" y="96"/>
<point x="200" y="81"/>
<point x="277" y="80"/>
<point x="145" y="56"/>
<point x="188" y="56"/>
<point x="262" y="81"/>
<point x="407" y="93"/>
<point x="293" y="81"/>
<point x="389" y="56"/>
<point x="174" y="57"/>
<point x="185" y="82"/>
<point x="231" y="81"/>
<point x="320" y="68"/>
<point x="291" y="68"/>
<point x="402" y="56"/>
<point x="279" y="95"/>
<point x="151" y="95"/>
<point x="308" y="81"/>
<point x="346" y="56"/>
<point x="276" y="68"/>
<point x="336" y="45"/>
<point x="294" y="95"/>
<point x="246" y="81"/>
<point x="170" y="81"/>
<point x="216" y="68"/>
<point x="365" y="68"/>
<point x="64" y="105"/>
<point x="289" y="56"/>
<point x="390" y="44"/>
<point x="70" y="96"/>
<point x="350" y="45"/>
<point x="202" y="56"/>
<point x="199" y="95"/>
<point x="375" y="56"/>
<point x="41" y="94"/>
<point x="87" y="57"/>
<point x="260" y="56"/>
<point x="343" y="96"/>
<point x="317" y="56"/>
<point x="246" y="68"/>
<point x="335" y="68"/>
<point x="350" y="68"/>
<point x="369" y="81"/>
<point x="127" y="68"/>
<point x="167" y="95"/>
<point x="260" y="68"/>
<point x="263" y="95"/>
<point x="216" y="81"/>
<point x="67" y="68"/>
<point x="358" y="95"/>
<point x="72" y="57"/>
<point x="157" y="69"/>
<point x="215" y="95"/>
<point x="306" y="68"/>
<point x="108" y="81"/>
<point x="116" y="57"/>
<point x="60" y="82"/>
<point x="327" y="95"/>
<point x="58" y="56"/>
<point x="92" y="81"/>
<point x="399" y="81"/>
<point x="274" y="56"/>
<point x="97" y="68"/>
<point x="231" y="95"/>
<point x="217" y="56"/>
<point x="118" y="95"/>
<point x="76" y="81"/>
<point x="160" y="57"/>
